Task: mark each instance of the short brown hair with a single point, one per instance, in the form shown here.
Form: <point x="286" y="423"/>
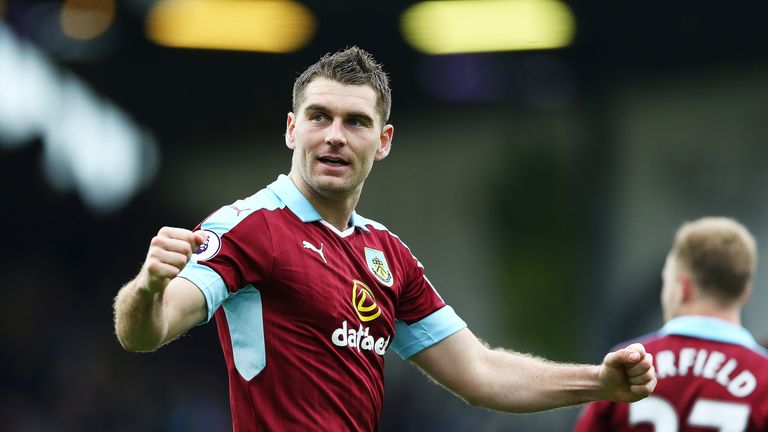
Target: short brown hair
<point x="353" y="66"/>
<point x="719" y="253"/>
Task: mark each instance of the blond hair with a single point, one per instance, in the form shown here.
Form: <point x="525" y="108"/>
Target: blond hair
<point x="720" y="255"/>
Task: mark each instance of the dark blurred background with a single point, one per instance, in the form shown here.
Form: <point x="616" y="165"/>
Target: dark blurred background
<point x="540" y="188"/>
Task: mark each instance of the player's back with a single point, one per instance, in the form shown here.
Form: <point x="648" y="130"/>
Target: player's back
<point x="712" y="381"/>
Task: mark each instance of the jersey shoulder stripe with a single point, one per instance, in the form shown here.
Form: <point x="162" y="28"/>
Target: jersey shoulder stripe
<point x="380" y="227"/>
<point x="218" y="224"/>
<point x="441" y="323"/>
<point x="227" y="217"/>
<point x="362" y="220"/>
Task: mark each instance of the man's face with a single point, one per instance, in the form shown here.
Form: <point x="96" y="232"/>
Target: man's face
<point x="336" y="135"/>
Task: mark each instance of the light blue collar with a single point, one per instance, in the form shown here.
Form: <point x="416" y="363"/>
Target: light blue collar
<point x="284" y="188"/>
<point x="715" y="329"/>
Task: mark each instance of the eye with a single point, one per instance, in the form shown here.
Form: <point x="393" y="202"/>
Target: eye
<point x="357" y="122"/>
<point x="317" y="117"/>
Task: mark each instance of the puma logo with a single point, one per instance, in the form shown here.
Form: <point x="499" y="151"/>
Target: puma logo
<point x="310" y="246"/>
<point x="237" y="209"/>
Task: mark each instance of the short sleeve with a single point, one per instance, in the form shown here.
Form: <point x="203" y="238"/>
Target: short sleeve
<point x="237" y="253"/>
<point x="209" y="282"/>
<point x="422" y="317"/>
<point x="413" y="338"/>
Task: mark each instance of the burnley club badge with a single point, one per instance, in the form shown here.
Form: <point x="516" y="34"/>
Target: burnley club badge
<point x="377" y="263"/>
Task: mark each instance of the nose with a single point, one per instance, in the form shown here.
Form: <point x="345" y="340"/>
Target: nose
<point x="335" y="134"/>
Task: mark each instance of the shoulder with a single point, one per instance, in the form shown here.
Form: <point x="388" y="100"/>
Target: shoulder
<point x="370" y="224"/>
<point x="761" y="351"/>
<point x="759" y="356"/>
<point x="379" y="230"/>
<point x="649" y="340"/>
<point x="242" y="211"/>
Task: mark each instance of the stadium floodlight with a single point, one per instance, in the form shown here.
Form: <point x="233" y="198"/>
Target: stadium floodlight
<point x="276" y="26"/>
<point x="86" y="19"/>
<point x="466" y="26"/>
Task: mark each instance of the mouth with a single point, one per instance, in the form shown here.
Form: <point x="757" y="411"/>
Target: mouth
<point x="333" y="161"/>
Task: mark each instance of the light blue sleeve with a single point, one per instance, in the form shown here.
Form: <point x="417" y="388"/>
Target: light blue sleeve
<point x="209" y="282"/>
<point x="411" y="339"/>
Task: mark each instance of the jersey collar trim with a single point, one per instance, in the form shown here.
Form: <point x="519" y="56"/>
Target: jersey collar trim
<point x="346" y="233"/>
<point x="715" y="329"/>
<point x="284" y="188"/>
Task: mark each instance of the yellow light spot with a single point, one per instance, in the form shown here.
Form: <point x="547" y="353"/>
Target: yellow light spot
<point x="241" y="25"/>
<point x="86" y="19"/>
<point x="464" y="26"/>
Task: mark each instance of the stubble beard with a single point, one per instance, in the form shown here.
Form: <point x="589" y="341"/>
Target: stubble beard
<point x="331" y="186"/>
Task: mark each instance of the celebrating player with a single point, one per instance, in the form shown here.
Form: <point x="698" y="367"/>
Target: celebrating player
<point x="308" y="295"/>
<point x="712" y="373"/>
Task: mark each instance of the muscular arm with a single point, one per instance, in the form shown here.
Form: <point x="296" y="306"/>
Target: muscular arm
<point x="515" y="382"/>
<point x="156" y="306"/>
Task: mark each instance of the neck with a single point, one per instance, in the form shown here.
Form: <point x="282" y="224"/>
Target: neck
<point x="336" y="209"/>
<point x="335" y="212"/>
<point x="732" y="315"/>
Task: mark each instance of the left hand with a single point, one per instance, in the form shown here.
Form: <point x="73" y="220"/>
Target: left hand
<point x="627" y="375"/>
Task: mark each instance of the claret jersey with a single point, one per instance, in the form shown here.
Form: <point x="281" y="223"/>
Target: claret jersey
<point x="713" y="376"/>
<point x="305" y="312"/>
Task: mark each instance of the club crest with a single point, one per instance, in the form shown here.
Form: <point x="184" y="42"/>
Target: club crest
<point x="377" y="263"/>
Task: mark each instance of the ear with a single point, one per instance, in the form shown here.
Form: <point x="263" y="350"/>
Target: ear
<point x="385" y="142"/>
<point x="290" y="127"/>
<point x="687" y="290"/>
<point x="747" y="294"/>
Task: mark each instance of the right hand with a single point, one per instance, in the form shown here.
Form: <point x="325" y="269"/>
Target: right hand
<point x="169" y="251"/>
<point x="628" y="375"/>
